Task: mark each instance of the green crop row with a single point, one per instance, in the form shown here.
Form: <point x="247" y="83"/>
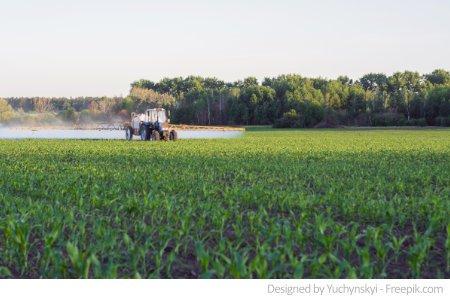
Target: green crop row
<point x="273" y="204"/>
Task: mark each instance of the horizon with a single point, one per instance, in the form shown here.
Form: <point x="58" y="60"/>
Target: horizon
<point x="98" y="48"/>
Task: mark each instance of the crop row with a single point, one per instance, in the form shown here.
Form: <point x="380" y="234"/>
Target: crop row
<point x="273" y="204"/>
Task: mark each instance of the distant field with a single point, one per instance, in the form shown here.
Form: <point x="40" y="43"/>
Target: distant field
<point x="273" y="204"/>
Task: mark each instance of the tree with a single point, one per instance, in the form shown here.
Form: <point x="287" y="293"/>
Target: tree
<point x="146" y="98"/>
<point x="6" y="111"/>
<point x="208" y="100"/>
<point x="42" y="105"/>
<point x="437" y="104"/>
<point x="374" y="81"/>
<point x="357" y="100"/>
<point x="404" y="86"/>
<point x="144" y="84"/>
<point x="294" y="91"/>
<point x="106" y="105"/>
<point x="378" y="102"/>
<point x="438" y="77"/>
<point x="335" y="94"/>
<point x="70" y="115"/>
<point x="345" y="80"/>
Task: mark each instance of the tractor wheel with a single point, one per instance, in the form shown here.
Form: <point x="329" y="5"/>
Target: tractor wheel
<point x="173" y="136"/>
<point x="155" y="135"/>
<point x="128" y="133"/>
<point x="144" y="133"/>
<point x="165" y="135"/>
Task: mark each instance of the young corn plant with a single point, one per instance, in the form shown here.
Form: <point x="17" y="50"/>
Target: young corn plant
<point x="17" y="235"/>
<point x="447" y="248"/>
<point x="80" y="262"/>
<point x="273" y="204"/>
<point x="417" y="253"/>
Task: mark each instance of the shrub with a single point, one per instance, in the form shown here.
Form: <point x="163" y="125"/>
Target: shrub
<point x="69" y="115"/>
<point x="416" y="122"/>
<point x="304" y="115"/>
<point x="362" y="119"/>
<point x="442" y="121"/>
<point x="333" y="119"/>
<point x="388" y="119"/>
<point x="290" y="119"/>
<point x="310" y="115"/>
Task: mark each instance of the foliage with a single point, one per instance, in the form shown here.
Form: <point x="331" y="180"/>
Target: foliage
<point x="6" y="111"/>
<point x="388" y="119"/>
<point x="273" y="204"/>
<point x="210" y="101"/>
<point x="42" y="105"/>
<point x="146" y="98"/>
<point x="70" y="115"/>
<point x="437" y="104"/>
<point x="290" y="119"/>
<point x="374" y="82"/>
<point x="439" y="77"/>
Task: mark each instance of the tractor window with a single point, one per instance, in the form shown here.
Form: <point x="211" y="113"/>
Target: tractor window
<point x="151" y="115"/>
<point x="162" y="116"/>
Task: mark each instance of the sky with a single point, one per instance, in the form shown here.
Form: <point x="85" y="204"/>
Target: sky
<point x="98" y="47"/>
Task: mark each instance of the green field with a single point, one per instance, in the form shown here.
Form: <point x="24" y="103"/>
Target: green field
<point x="273" y="204"/>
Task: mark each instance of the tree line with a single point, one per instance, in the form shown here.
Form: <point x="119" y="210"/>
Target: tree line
<point x="404" y="98"/>
<point x="43" y="110"/>
<point x="375" y="99"/>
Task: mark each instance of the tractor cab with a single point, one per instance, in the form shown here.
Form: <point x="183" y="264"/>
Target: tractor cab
<point x="153" y="124"/>
<point x="157" y="115"/>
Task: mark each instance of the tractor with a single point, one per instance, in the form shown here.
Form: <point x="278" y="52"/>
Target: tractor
<point x="151" y="125"/>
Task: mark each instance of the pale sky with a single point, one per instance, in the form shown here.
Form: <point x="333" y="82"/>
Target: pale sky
<point x="98" y="47"/>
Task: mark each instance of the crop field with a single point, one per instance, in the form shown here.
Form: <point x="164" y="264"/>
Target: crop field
<point x="273" y="204"/>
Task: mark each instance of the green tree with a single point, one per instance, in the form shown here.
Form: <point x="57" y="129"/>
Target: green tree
<point x="335" y="94"/>
<point x="404" y="87"/>
<point x="437" y="104"/>
<point x="378" y="102"/>
<point x="6" y="111"/>
<point x="357" y="100"/>
<point x="145" y="98"/>
<point x="70" y="115"/>
<point x="212" y="101"/>
<point x="438" y="77"/>
<point x="374" y="81"/>
<point x="144" y="84"/>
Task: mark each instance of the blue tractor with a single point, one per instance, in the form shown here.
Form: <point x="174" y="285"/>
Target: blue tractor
<point x="151" y="125"/>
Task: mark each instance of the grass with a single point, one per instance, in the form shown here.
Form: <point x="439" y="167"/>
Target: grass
<point x="273" y="204"/>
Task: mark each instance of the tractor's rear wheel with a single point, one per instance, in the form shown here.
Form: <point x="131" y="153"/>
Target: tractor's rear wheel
<point x="165" y="135"/>
<point x="128" y="133"/>
<point x="155" y="135"/>
<point x="173" y="136"/>
<point x="144" y="133"/>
